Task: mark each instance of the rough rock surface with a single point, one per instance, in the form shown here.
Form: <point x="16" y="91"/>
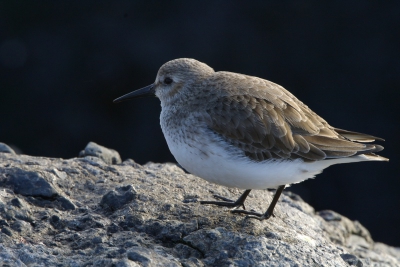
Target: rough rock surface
<point x="86" y="212"/>
<point x="108" y="155"/>
<point x="6" y="149"/>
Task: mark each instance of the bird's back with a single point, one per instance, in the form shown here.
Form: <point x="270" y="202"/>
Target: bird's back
<point x="268" y="122"/>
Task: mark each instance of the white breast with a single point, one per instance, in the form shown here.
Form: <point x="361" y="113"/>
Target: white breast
<point x="206" y="155"/>
<point x="216" y="163"/>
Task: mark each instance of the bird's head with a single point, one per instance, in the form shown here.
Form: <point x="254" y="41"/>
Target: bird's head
<point x="174" y="79"/>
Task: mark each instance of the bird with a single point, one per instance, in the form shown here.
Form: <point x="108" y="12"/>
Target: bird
<point x="246" y="132"/>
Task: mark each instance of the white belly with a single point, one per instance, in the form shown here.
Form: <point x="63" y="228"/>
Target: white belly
<point x="214" y="163"/>
<point x="204" y="154"/>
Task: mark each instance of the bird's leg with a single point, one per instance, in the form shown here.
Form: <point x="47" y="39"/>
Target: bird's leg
<point x="270" y="210"/>
<point x="229" y="203"/>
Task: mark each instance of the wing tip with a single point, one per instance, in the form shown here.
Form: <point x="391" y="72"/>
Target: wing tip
<point x="358" y="137"/>
<point x="375" y="157"/>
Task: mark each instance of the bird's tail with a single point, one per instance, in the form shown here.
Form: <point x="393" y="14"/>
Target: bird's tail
<point x="357" y="137"/>
<point x="372" y="156"/>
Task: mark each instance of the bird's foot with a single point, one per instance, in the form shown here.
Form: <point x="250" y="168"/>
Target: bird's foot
<point x="254" y="215"/>
<point x="225" y="203"/>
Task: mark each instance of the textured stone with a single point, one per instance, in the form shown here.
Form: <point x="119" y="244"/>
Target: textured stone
<point x="148" y="258"/>
<point x="351" y="260"/>
<point x="89" y="213"/>
<point x="31" y="183"/>
<point x="6" y="149"/>
<point x="21" y="227"/>
<point x="109" y="156"/>
<point x="115" y="199"/>
<point x="66" y="203"/>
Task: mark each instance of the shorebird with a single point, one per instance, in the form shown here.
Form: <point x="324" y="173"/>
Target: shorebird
<point x="246" y="132"/>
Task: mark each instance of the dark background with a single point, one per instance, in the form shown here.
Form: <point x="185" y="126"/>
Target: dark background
<point x="63" y="62"/>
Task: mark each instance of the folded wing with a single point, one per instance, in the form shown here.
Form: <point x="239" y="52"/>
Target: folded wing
<point x="273" y="124"/>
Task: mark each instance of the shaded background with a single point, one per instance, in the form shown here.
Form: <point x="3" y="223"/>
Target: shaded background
<point x="63" y="62"/>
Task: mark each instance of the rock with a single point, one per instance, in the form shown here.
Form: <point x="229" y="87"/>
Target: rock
<point x="115" y="199"/>
<point x="22" y="227"/>
<point x="351" y="260"/>
<point x="109" y="156"/>
<point x="85" y="212"/>
<point x="6" y="149"/>
<point x="30" y="183"/>
<point x="65" y="203"/>
<point x="56" y="222"/>
<point x="8" y="258"/>
<point x="7" y="231"/>
<point x="19" y="203"/>
<point x="148" y="258"/>
<point x="38" y="187"/>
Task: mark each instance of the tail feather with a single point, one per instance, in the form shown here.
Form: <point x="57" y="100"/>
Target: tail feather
<point x="358" y="137"/>
<point x="372" y="156"/>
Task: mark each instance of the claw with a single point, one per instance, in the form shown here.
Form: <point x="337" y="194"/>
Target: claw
<point x="229" y="203"/>
<point x="223" y="198"/>
<point x="226" y="203"/>
<point x="240" y="203"/>
<point x="254" y="215"/>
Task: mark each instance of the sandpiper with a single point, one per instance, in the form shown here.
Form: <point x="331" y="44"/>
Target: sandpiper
<point x="246" y="132"/>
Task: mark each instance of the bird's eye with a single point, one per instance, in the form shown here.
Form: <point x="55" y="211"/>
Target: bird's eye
<point x="168" y="80"/>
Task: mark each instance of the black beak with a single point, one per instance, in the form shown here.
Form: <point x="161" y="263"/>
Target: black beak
<point x="143" y="92"/>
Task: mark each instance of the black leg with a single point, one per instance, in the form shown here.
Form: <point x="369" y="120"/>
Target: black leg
<point x="229" y="203"/>
<point x="270" y="210"/>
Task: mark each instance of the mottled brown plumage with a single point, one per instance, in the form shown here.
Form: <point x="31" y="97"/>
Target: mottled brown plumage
<point x="268" y="122"/>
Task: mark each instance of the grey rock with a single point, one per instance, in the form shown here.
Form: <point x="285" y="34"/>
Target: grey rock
<point x="13" y="211"/>
<point x="150" y="216"/>
<point x="6" y="149"/>
<point x="7" y="231"/>
<point x="115" y="199"/>
<point x="22" y="227"/>
<point x="186" y="252"/>
<point x="148" y="258"/>
<point x="18" y="203"/>
<point x="97" y="240"/>
<point x="57" y="222"/>
<point x="109" y="156"/>
<point x="4" y="223"/>
<point x="30" y="183"/>
<point x="87" y="221"/>
<point x="351" y="260"/>
<point x="8" y="257"/>
<point x="65" y="203"/>
<point x="126" y="263"/>
<point x="112" y="228"/>
<point x="103" y="262"/>
<point x="38" y="187"/>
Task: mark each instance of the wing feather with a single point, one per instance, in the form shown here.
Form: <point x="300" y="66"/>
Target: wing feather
<point x="269" y="122"/>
